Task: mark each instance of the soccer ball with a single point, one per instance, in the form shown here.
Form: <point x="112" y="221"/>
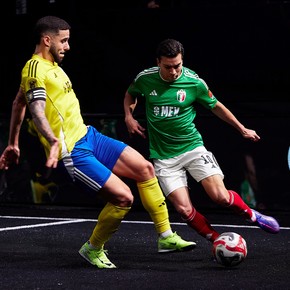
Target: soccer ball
<point x="229" y="249"/>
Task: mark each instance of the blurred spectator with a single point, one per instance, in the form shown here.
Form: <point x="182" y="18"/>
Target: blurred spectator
<point x="249" y="190"/>
<point x="250" y="184"/>
<point x="153" y="4"/>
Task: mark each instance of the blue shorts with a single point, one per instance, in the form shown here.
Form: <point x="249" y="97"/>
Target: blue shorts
<point x="91" y="161"/>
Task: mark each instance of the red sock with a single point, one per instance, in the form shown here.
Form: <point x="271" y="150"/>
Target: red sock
<point x="199" y="223"/>
<point x="239" y="206"/>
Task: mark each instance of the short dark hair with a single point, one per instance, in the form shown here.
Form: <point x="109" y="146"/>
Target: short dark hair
<point x="51" y="24"/>
<point x="169" y="48"/>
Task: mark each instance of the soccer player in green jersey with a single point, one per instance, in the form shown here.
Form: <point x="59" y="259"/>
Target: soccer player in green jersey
<point x="90" y="159"/>
<point x="175" y="144"/>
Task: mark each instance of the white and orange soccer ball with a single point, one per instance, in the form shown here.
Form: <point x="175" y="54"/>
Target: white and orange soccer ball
<point x="229" y="249"/>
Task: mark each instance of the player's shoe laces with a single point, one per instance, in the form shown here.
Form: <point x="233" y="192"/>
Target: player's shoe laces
<point x="96" y="257"/>
<point x="174" y="243"/>
<point x="266" y="223"/>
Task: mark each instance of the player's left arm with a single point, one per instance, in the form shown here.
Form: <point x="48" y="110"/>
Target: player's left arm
<point x="227" y="116"/>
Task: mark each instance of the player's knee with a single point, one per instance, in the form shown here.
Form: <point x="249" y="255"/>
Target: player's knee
<point x="184" y="211"/>
<point x="146" y="170"/>
<point x="126" y="199"/>
<point x="123" y="197"/>
<point x="222" y="199"/>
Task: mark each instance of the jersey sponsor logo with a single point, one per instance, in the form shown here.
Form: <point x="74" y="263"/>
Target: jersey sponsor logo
<point x="181" y="95"/>
<point x="166" y="111"/>
<point x="153" y="93"/>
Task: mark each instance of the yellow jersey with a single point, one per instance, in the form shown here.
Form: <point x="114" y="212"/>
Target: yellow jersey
<point x="42" y="79"/>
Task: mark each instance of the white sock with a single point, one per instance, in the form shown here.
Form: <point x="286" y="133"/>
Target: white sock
<point x="91" y="246"/>
<point x="253" y="218"/>
<point x="166" y="234"/>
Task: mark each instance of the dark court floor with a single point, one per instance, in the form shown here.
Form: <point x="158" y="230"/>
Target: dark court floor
<point x="39" y="250"/>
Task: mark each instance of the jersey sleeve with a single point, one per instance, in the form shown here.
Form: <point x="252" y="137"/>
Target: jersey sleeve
<point x="33" y="76"/>
<point x="33" y="81"/>
<point x="133" y="89"/>
<point x="204" y="95"/>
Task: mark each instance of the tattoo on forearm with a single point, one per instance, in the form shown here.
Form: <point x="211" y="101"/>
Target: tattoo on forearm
<point x="38" y="115"/>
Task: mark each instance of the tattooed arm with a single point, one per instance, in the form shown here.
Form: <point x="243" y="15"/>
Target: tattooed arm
<point x="37" y="109"/>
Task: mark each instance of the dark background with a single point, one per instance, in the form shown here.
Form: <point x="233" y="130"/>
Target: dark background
<point x="240" y="48"/>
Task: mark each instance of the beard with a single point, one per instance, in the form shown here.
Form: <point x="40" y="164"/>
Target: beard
<point x="55" y="55"/>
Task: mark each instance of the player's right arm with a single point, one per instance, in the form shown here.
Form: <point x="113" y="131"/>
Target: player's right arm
<point x="11" y="153"/>
<point x="132" y="124"/>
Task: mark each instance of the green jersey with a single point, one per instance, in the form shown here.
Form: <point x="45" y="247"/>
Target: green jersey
<point x="170" y="110"/>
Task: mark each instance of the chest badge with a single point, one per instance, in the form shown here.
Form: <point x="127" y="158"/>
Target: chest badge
<point x="181" y="96"/>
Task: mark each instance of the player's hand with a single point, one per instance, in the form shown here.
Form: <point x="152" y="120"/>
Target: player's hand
<point x="9" y="156"/>
<point x="134" y="127"/>
<point x="251" y="135"/>
<point x="52" y="159"/>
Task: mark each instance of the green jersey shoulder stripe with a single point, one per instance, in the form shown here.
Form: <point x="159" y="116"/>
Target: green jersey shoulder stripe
<point x="149" y="71"/>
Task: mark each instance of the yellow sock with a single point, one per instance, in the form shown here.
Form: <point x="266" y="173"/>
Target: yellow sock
<point x="108" y="223"/>
<point x="154" y="202"/>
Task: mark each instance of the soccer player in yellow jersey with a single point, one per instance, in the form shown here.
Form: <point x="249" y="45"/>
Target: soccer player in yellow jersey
<point x="90" y="159"/>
